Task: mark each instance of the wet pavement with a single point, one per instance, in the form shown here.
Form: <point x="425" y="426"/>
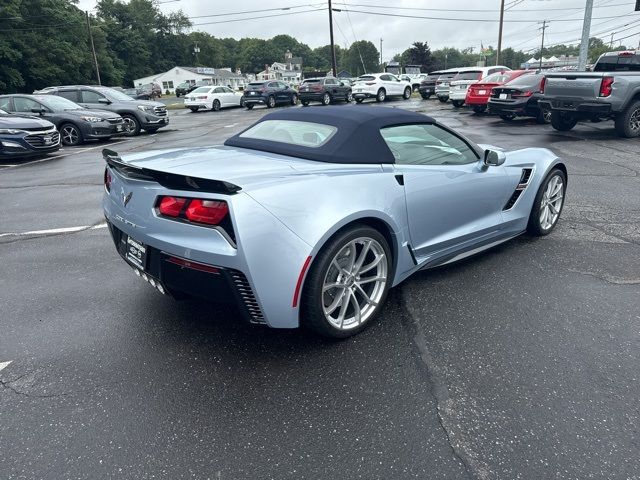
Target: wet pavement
<point x="521" y="362"/>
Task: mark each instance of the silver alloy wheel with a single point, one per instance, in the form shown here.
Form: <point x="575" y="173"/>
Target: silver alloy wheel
<point x="326" y="99"/>
<point x="272" y="102"/>
<point x="70" y="135"/>
<point x="382" y="95"/>
<point x="634" y="121"/>
<point x="546" y="115"/>
<point x="130" y="125"/>
<point x="354" y="283"/>
<point x="551" y="202"/>
<point x="349" y="97"/>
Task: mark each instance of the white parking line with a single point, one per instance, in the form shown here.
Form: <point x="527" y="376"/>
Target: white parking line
<point x="54" y="231"/>
<point x="4" y="365"/>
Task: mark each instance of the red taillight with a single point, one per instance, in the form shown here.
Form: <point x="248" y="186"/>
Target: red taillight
<point x="521" y="94"/>
<point x="202" y="97"/>
<point x="203" y="267"/>
<point x="171" y="206"/>
<point x="626" y="54"/>
<point x="210" y="212"/>
<point x="606" y="86"/>
<point x="107" y="179"/>
<point x="543" y="83"/>
<point x="369" y="83"/>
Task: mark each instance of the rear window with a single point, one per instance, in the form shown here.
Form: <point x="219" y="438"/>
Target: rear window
<point x="468" y="76"/>
<point x="304" y="134"/>
<point x="618" y="63"/>
<point x="527" y="80"/>
<point x="366" y="78"/>
<point x="447" y="76"/>
<point x="202" y="90"/>
<point x="498" y="78"/>
<point x="312" y="80"/>
<point x="256" y="84"/>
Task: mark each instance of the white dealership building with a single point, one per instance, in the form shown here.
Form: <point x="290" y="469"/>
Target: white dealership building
<point x="170" y="79"/>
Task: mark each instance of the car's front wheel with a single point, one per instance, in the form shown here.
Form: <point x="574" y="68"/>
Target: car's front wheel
<point x="70" y="135"/>
<point x="548" y="204"/>
<point x="348" y="283"/>
<point x="381" y="96"/>
<point x="131" y="125"/>
<point x="407" y="93"/>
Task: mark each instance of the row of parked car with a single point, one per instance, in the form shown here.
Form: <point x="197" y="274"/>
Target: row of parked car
<point x="563" y="98"/>
<point x="70" y="115"/>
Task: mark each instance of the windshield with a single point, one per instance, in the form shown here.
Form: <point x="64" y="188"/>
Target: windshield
<point x="305" y="134"/>
<point x="114" y="95"/>
<point x="467" y="76"/>
<point x="56" y="103"/>
<point x="2" y="112"/>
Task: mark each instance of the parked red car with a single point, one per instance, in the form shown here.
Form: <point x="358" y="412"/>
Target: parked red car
<point x="479" y="93"/>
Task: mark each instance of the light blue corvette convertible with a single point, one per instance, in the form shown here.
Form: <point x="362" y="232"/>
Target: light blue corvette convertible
<point x="309" y="216"/>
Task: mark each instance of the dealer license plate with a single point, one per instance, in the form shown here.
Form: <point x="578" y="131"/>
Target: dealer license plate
<point x="118" y="128"/>
<point x="482" y="92"/>
<point x="136" y="252"/>
<point x="252" y="93"/>
<point x="166" y="119"/>
<point x="503" y="96"/>
<point x="47" y="140"/>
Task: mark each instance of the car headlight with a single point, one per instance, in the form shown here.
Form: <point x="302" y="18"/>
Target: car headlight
<point x="91" y="119"/>
<point x="144" y="108"/>
<point x="10" y="131"/>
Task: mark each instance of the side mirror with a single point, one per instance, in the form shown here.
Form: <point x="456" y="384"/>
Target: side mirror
<point x="493" y="158"/>
<point x="104" y="100"/>
<point x="39" y="111"/>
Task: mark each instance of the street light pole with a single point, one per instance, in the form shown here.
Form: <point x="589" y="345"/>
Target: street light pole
<point x="544" y="27"/>
<point x="500" y="32"/>
<point x="586" y="28"/>
<point x="333" y="49"/>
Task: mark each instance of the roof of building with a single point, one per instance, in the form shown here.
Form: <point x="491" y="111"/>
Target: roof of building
<point x="357" y="140"/>
<point x="219" y="72"/>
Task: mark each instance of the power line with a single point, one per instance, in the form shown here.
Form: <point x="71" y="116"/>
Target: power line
<point x="260" y="17"/>
<point x="244" y="12"/>
<point x="472" y="10"/>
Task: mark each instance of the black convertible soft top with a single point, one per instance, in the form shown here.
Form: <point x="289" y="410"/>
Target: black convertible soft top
<point x="357" y="140"/>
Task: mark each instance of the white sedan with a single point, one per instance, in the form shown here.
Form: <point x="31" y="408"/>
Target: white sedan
<point x="380" y="86"/>
<point x="212" y="98"/>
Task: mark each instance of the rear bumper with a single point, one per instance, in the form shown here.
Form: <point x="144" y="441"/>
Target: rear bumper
<point x="577" y="106"/>
<point x="476" y="100"/>
<point x="254" y="99"/>
<point x="310" y="97"/>
<point x="196" y="104"/>
<point x="427" y="90"/>
<point x="457" y="94"/>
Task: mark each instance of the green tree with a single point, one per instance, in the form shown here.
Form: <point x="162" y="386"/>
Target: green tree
<point x="361" y="57"/>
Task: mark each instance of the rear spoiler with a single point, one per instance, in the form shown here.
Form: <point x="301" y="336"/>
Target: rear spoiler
<point x="168" y="180"/>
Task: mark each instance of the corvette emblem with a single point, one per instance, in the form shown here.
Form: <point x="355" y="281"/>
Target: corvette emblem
<point x="125" y="197"/>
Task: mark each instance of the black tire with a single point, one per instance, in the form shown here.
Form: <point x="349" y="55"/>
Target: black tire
<point x="443" y="99"/>
<point x="359" y="100"/>
<point x="407" y="93"/>
<point x="177" y="95"/>
<point x="311" y="300"/>
<point x="305" y="103"/>
<point x="457" y="103"/>
<point x="507" y="117"/>
<point x="326" y="99"/>
<point x="249" y="106"/>
<point x="628" y="121"/>
<point x="151" y="130"/>
<point x="381" y="96"/>
<point x="215" y="106"/>
<point x="131" y="125"/>
<point x="70" y="135"/>
<point x="562" y="121"/>
<point x="349" y="97"/>
<point x="271" y="102"/>
<point x="533" y="226"/>
<point x="479" y="108"/>
<point x="294" y="99"/>
<point x="425" y="97"/>
<point x="544" y="116"/>
<point x="193" y="109"/>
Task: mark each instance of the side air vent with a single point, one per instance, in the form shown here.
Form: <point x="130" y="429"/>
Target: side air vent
<point x="248" y="298"/>
<point x="522" y="185"/>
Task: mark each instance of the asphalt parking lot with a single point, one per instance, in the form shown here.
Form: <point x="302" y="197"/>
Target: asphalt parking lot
<point x="520" y="363"/>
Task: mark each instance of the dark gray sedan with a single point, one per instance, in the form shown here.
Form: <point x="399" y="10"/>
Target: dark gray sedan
<point x="75" y="123"/>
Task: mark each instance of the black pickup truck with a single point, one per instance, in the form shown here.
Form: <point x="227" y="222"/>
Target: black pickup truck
<point x="610" y="92"/>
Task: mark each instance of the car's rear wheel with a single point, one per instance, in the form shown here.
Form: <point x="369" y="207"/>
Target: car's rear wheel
<point x="326" y="99"/>
<point x="479" y="108"/>
<point x="548" y="204"/>
<point x="457" y="103"/>
<point x="627" y="123"/>
<point x="443" y="99"/>
<point x="544" y="116"/>
<point x="426" y="97"/>
<point x="151" y="130"/>
<point x="215" y="106"/>
<point x="562" y="122"/>
<point x="407" y="93"/>
<point x="131" y="125"/>
<point x="348" y="283"/>
<point x="271" y="102"/>
<point x="70" y="135"/>
<point x="349" y="97"/>
<point x="294" y="99"/>
<point x="193" y="109"/>
<point x="381" y="96"/>
<point x="359" y="100"/>
<point x="249" y="106"/>
<point x="305" y="103"/>
<point x="507" y="117"/>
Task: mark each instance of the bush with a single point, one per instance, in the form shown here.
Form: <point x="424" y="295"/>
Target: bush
<point x="167" y="92"/>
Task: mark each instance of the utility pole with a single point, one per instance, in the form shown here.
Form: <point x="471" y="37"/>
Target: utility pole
<point x="611" y="42"/>
<point x="544" y="27"/>
<point x="446" y="57"/>
<point x="196" y="51"/>
<point x="93" y="49"/>
<point x="500" y="32"/>
<point x="586" y="28"/>
<point x="333" y="49"/>
<point x="381" y="52"/>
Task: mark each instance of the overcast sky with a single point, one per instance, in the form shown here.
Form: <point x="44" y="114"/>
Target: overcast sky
<point x="311" y="24"/>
